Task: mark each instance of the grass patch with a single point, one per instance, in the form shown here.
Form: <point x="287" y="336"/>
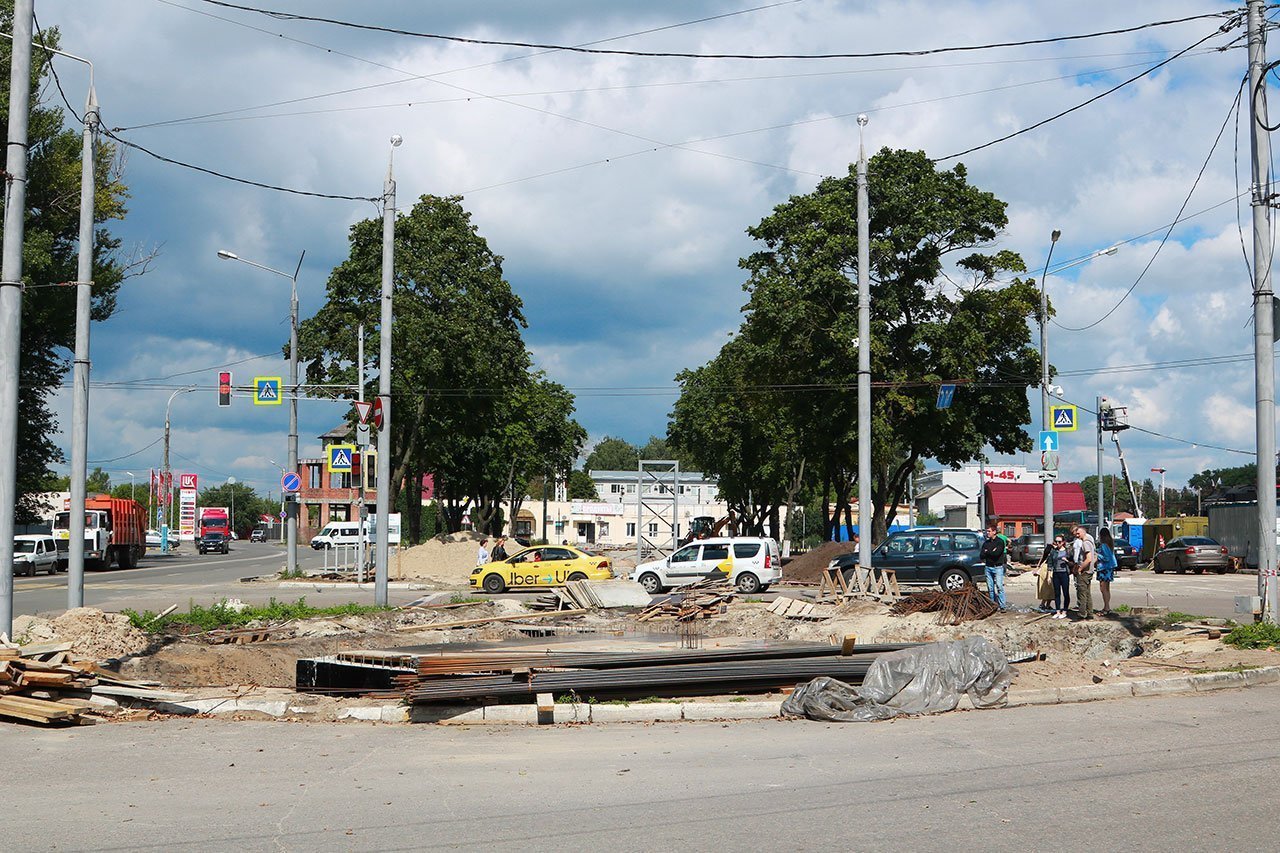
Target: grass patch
<point x="1259" y="635"/>
<point x="1123" y="608"/>
<point x="459" y="598"/>
<point x="291" y="575"/>
<point x="221" y="615"/>
<point x="1239" y="667"/>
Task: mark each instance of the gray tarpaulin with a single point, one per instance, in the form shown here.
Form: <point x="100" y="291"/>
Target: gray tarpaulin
<point x="920" y="680"/>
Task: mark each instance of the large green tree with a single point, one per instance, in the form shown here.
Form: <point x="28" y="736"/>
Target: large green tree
<point x="937" y="315"/>
<point x="612" y="454"/>
<point x="49" y="259"/>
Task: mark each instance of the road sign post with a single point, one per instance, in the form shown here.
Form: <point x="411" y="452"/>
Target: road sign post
<point x="290" y="482"/>
<point x="1049" y="441"/>
<point x="266" y="391"/>
<point x="341" y="458"/>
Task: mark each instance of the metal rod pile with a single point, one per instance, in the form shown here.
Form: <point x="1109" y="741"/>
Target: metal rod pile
<point x="962" y="605"/>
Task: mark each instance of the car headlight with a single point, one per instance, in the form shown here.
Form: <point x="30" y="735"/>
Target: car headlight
<point x="476" y="570"/>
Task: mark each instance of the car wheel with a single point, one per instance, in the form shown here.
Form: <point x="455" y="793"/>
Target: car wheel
<point x="954" y="579"/>
<point x="748" y="583"/>
<point x="1179" y="568"/>
<point x="1221" y="571"/>
<point x="494" y="584"/>
<point x="1198" y="570"/>
<point x="764" y="587"/>
<point x="53" y="568"/>
<point x="652" y="583"/>
<point x="577" y="576"/>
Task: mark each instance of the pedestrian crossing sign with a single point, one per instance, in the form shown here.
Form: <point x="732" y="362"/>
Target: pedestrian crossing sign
<point x="266" y="391"/>
<point x="341" y="458"/>
<point x="1064" y="418"/>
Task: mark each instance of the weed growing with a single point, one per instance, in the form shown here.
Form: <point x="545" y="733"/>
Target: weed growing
<point x="1260" y="635"/>
<point x="221" y="615"/>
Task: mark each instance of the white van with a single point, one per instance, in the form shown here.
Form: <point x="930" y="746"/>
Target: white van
<point x="33" y="552"/>
<point x="756" y="563"/>
<point x="337" y="533"/>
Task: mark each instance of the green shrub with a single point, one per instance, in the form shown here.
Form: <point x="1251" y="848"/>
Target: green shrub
<point x="220" y="615"/>
<point x="1260" y="635"/>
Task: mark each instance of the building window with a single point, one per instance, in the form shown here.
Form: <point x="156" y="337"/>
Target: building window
<point x="631" y="488"/>
<point x="604" y="529"/>
<point x="653" y="528"/>
<point x="313" y="477"/>
<point x="615" y="488"/>
<point x="631" y="529"/>
<point x="340" y="480"/>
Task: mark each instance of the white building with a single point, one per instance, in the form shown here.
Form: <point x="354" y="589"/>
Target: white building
<point x="953" y="495"/>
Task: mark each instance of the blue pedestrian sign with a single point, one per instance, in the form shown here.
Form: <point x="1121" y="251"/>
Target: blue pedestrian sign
<point x="1063" y="418"/>
<point x="1049" y="442"/>
<point x="946" y="393"/>
<point x="266" y="391"/>
<point x="341" y="458"/>
<point x="290" y="482"/>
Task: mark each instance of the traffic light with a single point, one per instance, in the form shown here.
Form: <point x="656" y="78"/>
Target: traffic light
<point x="224" y="388"/>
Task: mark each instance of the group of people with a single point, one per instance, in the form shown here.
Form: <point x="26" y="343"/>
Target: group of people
<point x="483" y="555"/>
<point x="1081" y="558"/>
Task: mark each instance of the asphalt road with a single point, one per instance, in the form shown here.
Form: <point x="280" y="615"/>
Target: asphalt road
<point x="1185" y="773"/>
<point x="1201" y="595"/>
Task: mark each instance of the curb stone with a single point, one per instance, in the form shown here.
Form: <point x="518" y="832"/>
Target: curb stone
<point x="320" y="587"/>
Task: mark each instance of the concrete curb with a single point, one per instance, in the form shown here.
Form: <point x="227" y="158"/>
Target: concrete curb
<point x="320" y="586"/>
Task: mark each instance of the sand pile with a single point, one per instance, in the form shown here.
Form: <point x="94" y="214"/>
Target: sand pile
<point x="90" y="631"/>
<point x="448" y="558"/>
<point x="808" y="567"/>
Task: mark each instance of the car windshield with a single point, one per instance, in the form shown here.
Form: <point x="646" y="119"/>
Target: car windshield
<point x="1198" y="540"/>
<point x="24" y="547"/>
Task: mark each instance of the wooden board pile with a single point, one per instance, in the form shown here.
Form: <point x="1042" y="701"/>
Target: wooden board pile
<point x="700" y="600"/>
<point x="962" y="605"/>
<point x="794" y="608"/>
<point x="47" y="683"/>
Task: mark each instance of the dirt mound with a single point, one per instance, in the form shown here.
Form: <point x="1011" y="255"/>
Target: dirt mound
<point x="808" y="567"/>
<point x="90" y="631"/>
<point x="446" y="559"/>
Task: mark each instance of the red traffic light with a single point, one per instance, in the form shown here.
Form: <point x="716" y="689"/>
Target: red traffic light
<point x="224" y="388"/>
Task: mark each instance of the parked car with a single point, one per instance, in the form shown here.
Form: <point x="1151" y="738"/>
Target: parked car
<point x="948" y="557"/>
<point x="546" y="565"/>
<point x="34" y="552"/>
<point x="1027" y="548"/>
<point x="259" y="534"/>
<point x="1196" y="553"/>
<point x="214" y="540"/>
<point x="757" y="563"/>
<point x="1126" y="555"/>
<point x="153" y="538"/>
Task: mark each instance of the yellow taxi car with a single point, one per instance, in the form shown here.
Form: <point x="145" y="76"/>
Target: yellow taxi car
<point x="540" y="566"/>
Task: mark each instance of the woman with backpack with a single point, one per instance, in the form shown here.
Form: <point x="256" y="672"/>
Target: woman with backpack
<point x="1106" y="568"/>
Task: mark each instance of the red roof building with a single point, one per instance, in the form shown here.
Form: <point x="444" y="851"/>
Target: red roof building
<point x="1018" y="508"/>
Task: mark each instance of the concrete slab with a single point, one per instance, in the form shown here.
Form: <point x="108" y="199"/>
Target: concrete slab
<point x="233" y="705"/>
<point x="641" y="713"/>
<point x="1217" y="681"/>
<point x="619" y="593"/>
<point x="445" y="714"/>
<point x="1162" y="686"/>
<point x="572" y="712"/>
<point x="1094" y="692"/>
<point x="1041" y="696"/>
<point x="731" y="710"/>
<point x="1263" y="675"/>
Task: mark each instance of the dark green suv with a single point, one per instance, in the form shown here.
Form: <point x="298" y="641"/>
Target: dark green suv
<point x="949" y="557"/>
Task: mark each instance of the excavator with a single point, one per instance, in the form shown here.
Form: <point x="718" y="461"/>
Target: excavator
<point x="706" y="526"/>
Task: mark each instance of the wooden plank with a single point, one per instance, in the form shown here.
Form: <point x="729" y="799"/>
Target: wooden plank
<point x="33" y="649"/>
<point x="465" y="623"/>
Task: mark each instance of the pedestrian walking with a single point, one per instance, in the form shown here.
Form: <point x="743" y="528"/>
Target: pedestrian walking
<point x="1058" y="560"/>
<point x="1084" y="559"/>
<point x="995" y="554"/>
<point x="1107" y="564"/>
<point x="482" y="553"/>
<point x="1044" y="579"/>
<point x="499" y="549"/>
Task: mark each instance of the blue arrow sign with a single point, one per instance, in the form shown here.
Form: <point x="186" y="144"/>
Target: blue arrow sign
<point x="946" y="393"/>
<point x="1049" y="441"/>
<point x="290" y="482"/>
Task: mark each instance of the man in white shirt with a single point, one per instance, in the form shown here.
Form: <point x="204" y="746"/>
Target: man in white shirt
<point x="482" y="554"/>
<point x="1084" y="558"/>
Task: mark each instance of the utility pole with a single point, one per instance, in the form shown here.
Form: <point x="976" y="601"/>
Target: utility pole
<point x="80" y="370"/>
<point x="1045" y="422"/>
<point x="361" y="515"/>
<point x="1264" y="363"/>
<point x="1161" y="471"/>
<point x="864" y="359"/>
<point x="294" y="506"/>
<point x="383" y="544"/>
<point x="15" y="209"/>
<point x="1097" y="407"/>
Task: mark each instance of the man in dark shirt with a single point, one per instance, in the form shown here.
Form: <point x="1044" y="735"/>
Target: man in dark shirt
<point x="995" y="554"/>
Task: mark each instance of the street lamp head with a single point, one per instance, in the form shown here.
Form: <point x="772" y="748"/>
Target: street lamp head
<point x="396" y="140"/>
<point x="228" y="256"/>
<point x="862" y="119"/>
<point x="1110" y="251"/>
<point x="1055" y="235"/>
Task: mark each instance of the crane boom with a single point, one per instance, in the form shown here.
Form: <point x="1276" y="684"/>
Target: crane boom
<point x="1128" y="481"/>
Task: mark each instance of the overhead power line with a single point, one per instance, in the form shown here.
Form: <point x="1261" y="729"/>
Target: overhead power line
<point x="127" y="455"/>
<point x="289" y="16"/>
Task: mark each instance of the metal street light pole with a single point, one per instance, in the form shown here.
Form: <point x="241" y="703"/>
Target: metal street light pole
<point x="1160" y="471"/>
<point x="166" y="478"/>
<point x="382" y="548"/>
<point x="15" y="210"/>
<point x="231" y="522"/>
<point x="1045" y="423"/>
<point x="131" y="475"/>
<point x="291" y="507"/>
<point x="864" y="359"/>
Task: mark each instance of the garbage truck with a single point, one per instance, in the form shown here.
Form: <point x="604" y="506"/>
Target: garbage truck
<point x="115" y="531"/>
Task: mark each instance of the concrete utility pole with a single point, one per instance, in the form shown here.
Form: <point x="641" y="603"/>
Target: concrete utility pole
<point x="864" y="358"/>
<point x="166" y="478"/>
<point x="1097" y="407"/>
<point x="382" y="547"/>
<point x="80" y="370"/>
<point x="1264" y="363"/>
<point x="1160" y="471"/>
<point x="361" y="515"/>
<point x="1045" y="422"/>
<point x="15" y="208"/>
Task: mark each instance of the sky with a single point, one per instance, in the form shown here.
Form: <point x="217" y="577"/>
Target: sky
<point x="618" y="190"/>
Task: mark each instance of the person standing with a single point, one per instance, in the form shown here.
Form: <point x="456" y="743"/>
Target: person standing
<point x="1107" y="564"/>
<point x="1084" y="559"/>
<point x="1058" y="559"/>
<point x="994" y="556"/>
<point x="482" y="553"/>
<point x="499" y="549"/>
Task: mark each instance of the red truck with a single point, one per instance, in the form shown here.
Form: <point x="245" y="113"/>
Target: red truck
<point x="115" y="530"/>
<point x="214" y="519"/>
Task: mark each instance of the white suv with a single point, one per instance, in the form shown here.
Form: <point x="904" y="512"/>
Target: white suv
<point x="756" y="564"/>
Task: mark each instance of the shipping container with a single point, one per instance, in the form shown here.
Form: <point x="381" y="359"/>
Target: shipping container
<point x="1235" y="525"/>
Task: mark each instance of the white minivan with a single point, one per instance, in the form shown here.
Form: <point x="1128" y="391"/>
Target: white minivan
<point x="34" y="552"/>
<point x="756" y="563"/>
<point x="337" y="533"/>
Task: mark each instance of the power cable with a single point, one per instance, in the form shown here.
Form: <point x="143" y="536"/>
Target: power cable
<point x="127" y="382"/>
<point x="52" y="70"/>
<point x="287" y="16"/>
<point x="1083" y="104"/>
<point x="135" y="146"/>
<point x="1167" y="233"/>
<point x="127" y="455"/>
<point x="1235" y="174"/>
